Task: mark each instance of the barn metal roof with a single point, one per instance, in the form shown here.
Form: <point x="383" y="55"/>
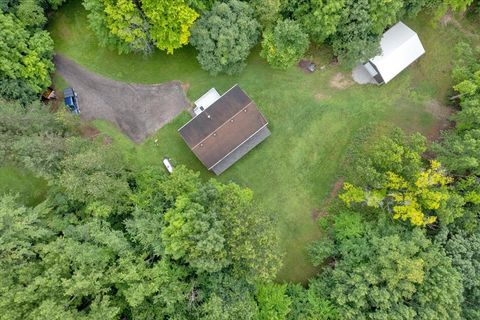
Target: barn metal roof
<point x="400" y="47"/>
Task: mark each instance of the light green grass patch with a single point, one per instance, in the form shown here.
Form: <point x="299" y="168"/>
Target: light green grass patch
<point x="30" y="189"/>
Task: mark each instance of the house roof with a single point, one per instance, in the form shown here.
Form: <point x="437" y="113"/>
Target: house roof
<point x="400" y="47"/>
<point x="222" y="128"/>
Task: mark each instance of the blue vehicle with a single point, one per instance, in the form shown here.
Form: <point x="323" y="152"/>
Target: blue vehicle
<point x="70" y="99"/>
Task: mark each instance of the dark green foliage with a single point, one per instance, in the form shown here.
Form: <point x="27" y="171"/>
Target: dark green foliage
<point x="459" y="149"/>
<point x="112" y="241"/>
<point x="388" y="272"/>
<point x="267" y="12"/>
<point x="33" y="138"/>
<point x="31" y="13"/>
<point x="464" y="249"/>
<point x="284" y="45"/>
<point x="224" y="37"/>
<point x="320" y="18"/>
<point x="310" y="304"/>
<point x="55" y="3"/>
<point x="356" y="40"/>
<point x="320" y="250"/>
<point x="215" y="226"/>
<point x="17" y="90"/>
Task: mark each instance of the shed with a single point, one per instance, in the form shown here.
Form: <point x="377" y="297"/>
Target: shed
<point x="400" y="47"/>
<point x="226" y="131"/>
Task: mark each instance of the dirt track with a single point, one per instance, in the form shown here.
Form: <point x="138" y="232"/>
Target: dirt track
<point x="137" y="109"/>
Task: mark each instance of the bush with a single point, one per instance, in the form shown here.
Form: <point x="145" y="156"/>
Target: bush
<point x="224" y="37"/>
<point x="284" y="45"/>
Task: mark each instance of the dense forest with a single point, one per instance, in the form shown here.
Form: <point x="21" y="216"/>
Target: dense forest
<point x="116" y="240"/>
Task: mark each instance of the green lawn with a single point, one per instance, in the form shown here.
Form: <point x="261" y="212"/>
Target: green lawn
<point x="312" y="124"/>
<point x="31" y="190"/>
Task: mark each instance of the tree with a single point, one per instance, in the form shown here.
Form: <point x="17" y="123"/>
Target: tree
<point x="228" y="298"/>
<point x="133" y="26"/>
<point x="31" y="13"/>
<point x="195" y="234"/>
<point x="384" y="13"/>
<point x="310" y="304"/>
<point x="273" y="303"/>
<point x="355" y="39"/>
<point x="459" y="151"/>
<point x="320" y="18"/>
<point x="415" y="201"/>
<point x="284" y="45"/>
<point x="216" y="227"/>
<point x="17" y="90"/>
<point x="25" y="55"/>
<point x="224" y="37"/>
<point x="34" y="138"/>
<point x="170" y="22"/>
<point x="389" y="272"/>
<point x="125" y="20"/>
<point x="267" y="12"/>
<point x="460" y="147"/>
<point x="95" y="178"/>
<point x="464" y="249"/>
<point x="99" y="23"/>
<point x="392" y="176"/>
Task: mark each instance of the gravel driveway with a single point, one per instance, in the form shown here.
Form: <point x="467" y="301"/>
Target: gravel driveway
<point x="137" y="109"/>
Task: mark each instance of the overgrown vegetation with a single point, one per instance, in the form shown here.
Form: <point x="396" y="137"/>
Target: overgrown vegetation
<point x="110" y="241"/>
<point x="380" y="263"/>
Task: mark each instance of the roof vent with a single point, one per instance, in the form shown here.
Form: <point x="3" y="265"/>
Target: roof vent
<point x="208" y="116"/>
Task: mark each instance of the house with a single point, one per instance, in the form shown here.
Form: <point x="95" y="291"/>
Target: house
<point x="400" y="47"/>
<point x="226" y="130"/>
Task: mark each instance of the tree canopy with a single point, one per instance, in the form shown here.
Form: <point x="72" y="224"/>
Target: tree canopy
<point x="112" y="240"/>
<point x="139" y="26"/>
<point x="284" y="45"/>
<point x="224" y="37"/>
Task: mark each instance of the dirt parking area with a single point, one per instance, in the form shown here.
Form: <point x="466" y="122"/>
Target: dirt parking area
<point x="137" y="109"/>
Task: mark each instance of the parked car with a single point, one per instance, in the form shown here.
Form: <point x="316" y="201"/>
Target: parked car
<point x="71" y="101"/>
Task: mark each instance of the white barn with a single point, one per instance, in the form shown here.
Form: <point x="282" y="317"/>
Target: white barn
<point x="400" y="47"/>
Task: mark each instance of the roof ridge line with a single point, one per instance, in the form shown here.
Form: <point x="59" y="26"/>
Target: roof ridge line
<point x="223" y="124"/>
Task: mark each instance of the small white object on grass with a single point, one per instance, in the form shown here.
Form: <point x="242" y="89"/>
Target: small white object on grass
<point x="168" y="165"/>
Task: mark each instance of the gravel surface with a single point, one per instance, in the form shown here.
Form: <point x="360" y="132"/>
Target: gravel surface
<point x="361" y="75"/>
<point x="137" y="109"/>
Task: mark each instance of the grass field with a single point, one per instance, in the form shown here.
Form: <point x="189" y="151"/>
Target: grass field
<point x="312" y="122"/>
